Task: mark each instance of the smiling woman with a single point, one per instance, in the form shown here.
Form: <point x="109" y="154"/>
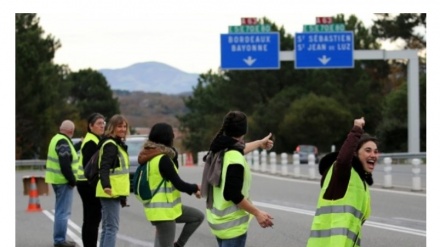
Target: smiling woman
<point x="344" y="203"/>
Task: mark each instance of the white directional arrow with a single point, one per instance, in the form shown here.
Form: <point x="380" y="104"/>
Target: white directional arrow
<point x="249" y="60"/>
<point x="324" y="59"/>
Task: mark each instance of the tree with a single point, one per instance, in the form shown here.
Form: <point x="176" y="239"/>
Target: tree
<point x="409" y="28"/>
<point x="41" y="88"/>
<point x="393" y="131"/>
<point x="264" y="95"/>
<point x="91" y="93"/>
<point x="315" y="120"/>
<point x="269" y="97"/>
<point x="403" y="26"/>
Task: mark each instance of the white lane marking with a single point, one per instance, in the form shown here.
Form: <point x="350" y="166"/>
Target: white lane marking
<point x="78" y="239"/>
<point x="135" y="241"/>
<point x="296" y="180"/>
<point x="413" y="220"/>
<point x="396" y="228"/>
<point x="367" y="223"/>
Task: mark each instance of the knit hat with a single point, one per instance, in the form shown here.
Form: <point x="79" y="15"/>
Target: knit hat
<point x="235" y="124"/>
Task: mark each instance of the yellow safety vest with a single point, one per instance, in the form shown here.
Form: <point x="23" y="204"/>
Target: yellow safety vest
<point x="119" y="177"/>
<point x="339" y="222"/>
<point x="89" y="137"/>
<point x="166" y="204"/>
<point x="53" y="173"/>
<point x="226" y="219"/>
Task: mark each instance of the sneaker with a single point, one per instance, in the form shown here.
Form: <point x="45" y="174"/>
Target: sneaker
<point x="66" y="244"/>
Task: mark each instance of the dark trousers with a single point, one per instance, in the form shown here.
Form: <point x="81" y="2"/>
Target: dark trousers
<point x="91" y="213"/>
<point x="166" y="230"/>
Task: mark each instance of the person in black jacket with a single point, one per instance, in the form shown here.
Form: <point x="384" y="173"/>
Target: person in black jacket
<point x="160" y="141"/>
<point x="226" y="182"/>
<point x="91" y="204"/>
<point x="114" y="182"/>
<point x="344" y="203"/>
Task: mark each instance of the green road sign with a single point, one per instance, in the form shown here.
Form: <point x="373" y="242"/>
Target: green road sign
<point x="337" y="27"/>
<point x="249" y="29"/>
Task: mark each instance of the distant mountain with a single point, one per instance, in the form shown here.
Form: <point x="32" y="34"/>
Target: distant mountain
<point x="150" y="77"/>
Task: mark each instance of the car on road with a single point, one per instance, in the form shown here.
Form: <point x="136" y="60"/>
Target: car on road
<point x="304" y="151"/>
<point x="77" y="144"/>
<point x="134" y="145"/>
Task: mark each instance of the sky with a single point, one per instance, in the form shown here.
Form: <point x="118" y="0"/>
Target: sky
<point x="183" y="34"/>
<point x="189" y="41"/>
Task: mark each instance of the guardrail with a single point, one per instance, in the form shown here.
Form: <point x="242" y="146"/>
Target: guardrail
<point x="402" y="158"/>
<point x="278" y="164"/>
<point x="289" y="165"/>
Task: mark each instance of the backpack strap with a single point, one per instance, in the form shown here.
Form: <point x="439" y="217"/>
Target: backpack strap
<point x="158" y="187"/>
<point x="160" y="184"/>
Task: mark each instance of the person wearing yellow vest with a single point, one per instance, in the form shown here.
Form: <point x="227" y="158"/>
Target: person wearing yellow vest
<point x="91" y="204"/>
<point x="165" y="208"/>
<point x="62" y="163"/>
<point x="344" y="203"/>
<point x="229" y="209"/>
<point x="114" y="183"/>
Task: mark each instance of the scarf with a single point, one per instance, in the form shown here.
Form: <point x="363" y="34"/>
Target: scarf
<point x="214" y="164"/>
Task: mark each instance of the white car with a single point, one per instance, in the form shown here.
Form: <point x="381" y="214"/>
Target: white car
<point x="134" y="146"/>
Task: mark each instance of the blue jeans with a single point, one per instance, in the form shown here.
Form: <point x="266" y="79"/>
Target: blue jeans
<point x="239" y="241"/>
<point x="63" y="206"/>
<point x="110" y="221"/>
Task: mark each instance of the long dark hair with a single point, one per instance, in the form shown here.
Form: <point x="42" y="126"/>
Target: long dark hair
<point x="234" y="125"/>
<point x="162" y="133"/>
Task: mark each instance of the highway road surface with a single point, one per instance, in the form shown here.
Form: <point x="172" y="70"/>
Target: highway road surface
<point x="398" y="215"/>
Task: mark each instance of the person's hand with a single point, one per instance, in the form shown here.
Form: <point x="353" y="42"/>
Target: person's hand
<point x="198" y="194"/>
<point x="360" y="122"/>
<point x="108" y="191"/>
<point x="72" y="184"/>
<point x="123" y="202"/>
<point x="267" y="142"/>
<point x="264" y="219"/>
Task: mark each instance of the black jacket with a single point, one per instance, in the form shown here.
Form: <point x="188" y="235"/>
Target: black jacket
<point x="109" y="159"/>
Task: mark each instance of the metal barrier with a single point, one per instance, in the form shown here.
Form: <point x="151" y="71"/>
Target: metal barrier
<point x="403" y="158"/>
<point x="280" y="163"/>
<point x="260" y="161"/>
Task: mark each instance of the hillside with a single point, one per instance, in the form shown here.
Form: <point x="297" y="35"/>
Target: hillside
<point x="144" y="109"/>
<point x="150" y="77"/>
<point x="150" y="92"/>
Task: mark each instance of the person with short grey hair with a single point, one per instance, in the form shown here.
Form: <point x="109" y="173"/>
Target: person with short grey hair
<point x="61" y="167"/>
